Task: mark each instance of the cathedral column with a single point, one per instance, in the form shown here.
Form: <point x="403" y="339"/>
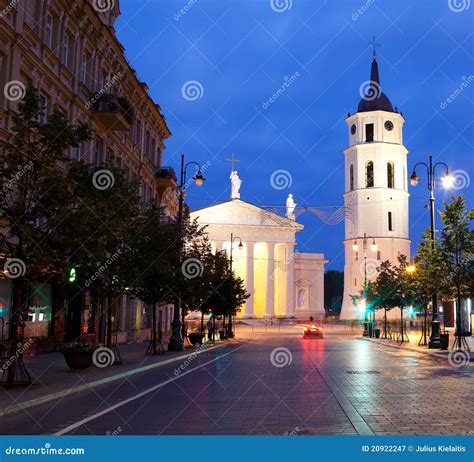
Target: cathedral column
<point x="270" y="286"/>
<point x="249" y="281"/>
<point x="290" y="281"/>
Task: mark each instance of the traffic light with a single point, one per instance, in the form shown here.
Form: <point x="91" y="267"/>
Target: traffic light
<point x="72" y="275"/>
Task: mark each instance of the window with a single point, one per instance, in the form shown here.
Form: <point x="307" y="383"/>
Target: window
<point x="369" y="133"/>
<point x="98" y="153"/>
<point x="390" y="225"/>
<point x="87" y="69"/>
<point x="379" y="257"/>
<point x="43" y="105"/>
<point x="65" y="54"/>
<point x="351" y="177"/>
<point x="390" y="175"/>
<point x="369" y="174"/>
<point x="355" y="281"/>
<point x="356" y="256"/>
<point x="49" y="31"/>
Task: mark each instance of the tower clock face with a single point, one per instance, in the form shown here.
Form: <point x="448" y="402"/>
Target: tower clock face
<point x="353" y="129"/>
<point x="388" y="125"/>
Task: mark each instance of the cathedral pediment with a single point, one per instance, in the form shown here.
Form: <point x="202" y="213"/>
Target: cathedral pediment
<point x="241" y="213"/>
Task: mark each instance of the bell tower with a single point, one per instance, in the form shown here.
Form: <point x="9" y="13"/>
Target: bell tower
<point x="375" y="189"/>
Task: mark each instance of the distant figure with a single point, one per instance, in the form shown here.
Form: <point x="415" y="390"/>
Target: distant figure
<point x="311" y="320"/>
<point x="210" y="330"/>
<point x="290" y="207"/>
<point x="235" y="182"/>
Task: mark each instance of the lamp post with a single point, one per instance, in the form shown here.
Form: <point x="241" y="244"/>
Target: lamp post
<point x="373" y="247"/>
<point x="176" y="341"/>
<point x="232" y="240"/>
<point x="447" y="180"/>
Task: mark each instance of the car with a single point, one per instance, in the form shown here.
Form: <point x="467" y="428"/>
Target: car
<point x="312" y="330"/>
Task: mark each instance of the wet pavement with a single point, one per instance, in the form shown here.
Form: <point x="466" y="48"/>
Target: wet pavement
<point x="272" y="383"/>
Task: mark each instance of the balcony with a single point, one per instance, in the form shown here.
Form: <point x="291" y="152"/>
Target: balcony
<point x="112" y="112"/>
<point x="165" y="177"/>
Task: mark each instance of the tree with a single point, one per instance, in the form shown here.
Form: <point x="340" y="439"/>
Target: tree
<point x="33" y="199"/>
<point x="385" y="289"/>
<point x="333" y="290"/>
<point x="456" y="249"/>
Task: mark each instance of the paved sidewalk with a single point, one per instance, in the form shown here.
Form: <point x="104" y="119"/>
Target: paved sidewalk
<point x="53" y="379"/>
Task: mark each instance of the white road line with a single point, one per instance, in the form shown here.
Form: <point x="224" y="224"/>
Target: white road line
<point x="140" y="395"/>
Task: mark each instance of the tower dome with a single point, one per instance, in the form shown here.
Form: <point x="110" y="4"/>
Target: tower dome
<point x="374" y="99"/>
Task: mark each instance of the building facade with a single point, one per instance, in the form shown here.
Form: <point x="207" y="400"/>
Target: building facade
<point x="69" y="51"/>
<point x="281" y="282"/>
<point x="375" y="191"/>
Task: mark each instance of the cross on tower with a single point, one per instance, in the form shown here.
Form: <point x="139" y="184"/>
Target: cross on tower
<point x="232" y="161"/>
<point x="374" y="45"/>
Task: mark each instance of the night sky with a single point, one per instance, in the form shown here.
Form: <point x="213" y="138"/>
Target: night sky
<point x="242" y="51"/>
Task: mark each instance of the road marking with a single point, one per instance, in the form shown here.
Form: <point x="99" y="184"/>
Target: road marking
<point x="140" y="395"/>
<point x="87" y="386"/>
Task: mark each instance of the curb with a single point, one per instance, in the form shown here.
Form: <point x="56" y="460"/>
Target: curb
<point x="87" y="386"/>
<point x="417" y="350"/>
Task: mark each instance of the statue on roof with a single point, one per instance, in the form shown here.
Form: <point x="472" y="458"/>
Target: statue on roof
<point x="290" y="207"/>
<point x="235" y="182"/>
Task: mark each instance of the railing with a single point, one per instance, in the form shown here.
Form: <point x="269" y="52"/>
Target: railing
<point x="108" y="103"/>
<point x="166" y="173"/>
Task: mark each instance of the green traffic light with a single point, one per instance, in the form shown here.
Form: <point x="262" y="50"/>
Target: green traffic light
<point x="72" y="274"/>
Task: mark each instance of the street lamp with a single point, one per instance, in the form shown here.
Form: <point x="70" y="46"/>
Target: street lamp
<point x="447" y="181"/>
<point x="232" y="240"/>
<point x="374" y="248"/>
<point x="176" y="341"/>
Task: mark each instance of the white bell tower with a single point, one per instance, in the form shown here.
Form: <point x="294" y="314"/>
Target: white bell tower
<point x="375" y="190"/>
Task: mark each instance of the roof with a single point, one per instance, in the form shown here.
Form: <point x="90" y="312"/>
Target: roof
<point x="374" y="99"/>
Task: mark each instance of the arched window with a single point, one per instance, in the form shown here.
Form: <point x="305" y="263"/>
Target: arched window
<point x="369" y="174"/>
<point x="390" y="175"/>
<point x="390" y="224"/>
<point x="351" y="177"/>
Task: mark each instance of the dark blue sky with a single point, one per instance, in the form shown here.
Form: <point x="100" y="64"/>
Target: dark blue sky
<point x="240" y="51"/>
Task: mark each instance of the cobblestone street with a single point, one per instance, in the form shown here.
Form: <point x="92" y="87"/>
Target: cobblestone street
<point x="272" y="383"/>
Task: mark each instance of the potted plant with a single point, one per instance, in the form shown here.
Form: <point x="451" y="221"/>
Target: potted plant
<point x="195" y="337"/>
<point x="78" y="355"/>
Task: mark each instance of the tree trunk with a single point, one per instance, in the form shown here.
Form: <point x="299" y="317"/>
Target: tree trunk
<point x="202" y="322"/>
<point x="109" y="321"/>
<point x="153" y="326"/>
<point x="385" y="323"/>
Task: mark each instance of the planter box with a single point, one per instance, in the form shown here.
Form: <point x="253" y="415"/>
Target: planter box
<point x="78" y="360"/>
